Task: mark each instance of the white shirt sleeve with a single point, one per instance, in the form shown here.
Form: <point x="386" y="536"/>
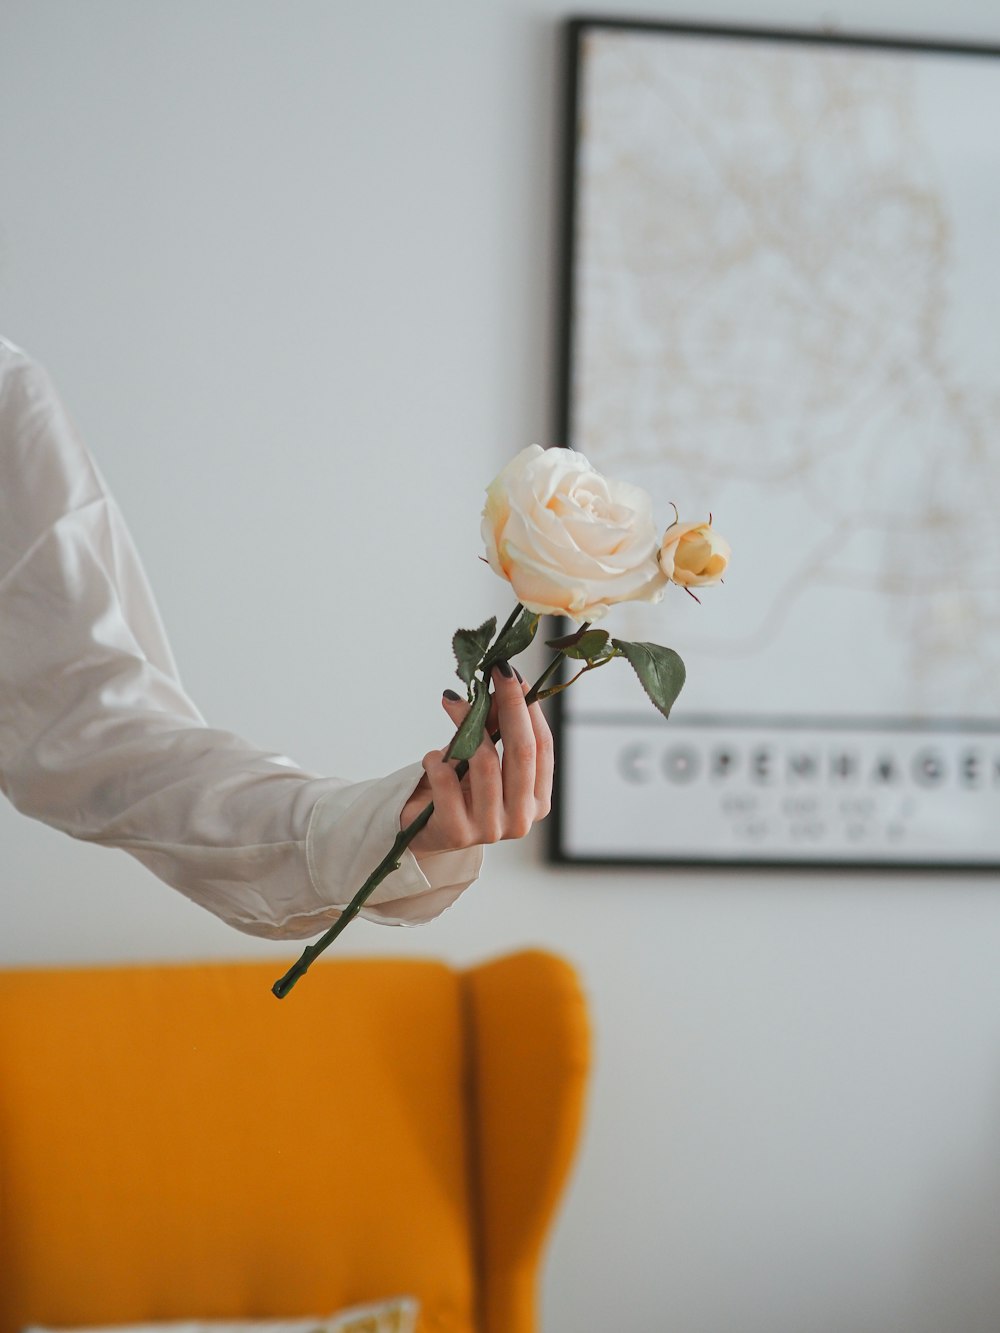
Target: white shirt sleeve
<point x="99" y="739"/>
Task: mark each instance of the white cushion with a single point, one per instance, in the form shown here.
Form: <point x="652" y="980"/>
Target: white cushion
<point x="396" y="1315"/>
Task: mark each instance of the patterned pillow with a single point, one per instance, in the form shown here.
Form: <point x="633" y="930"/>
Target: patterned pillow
<point x="397" y="1315"/>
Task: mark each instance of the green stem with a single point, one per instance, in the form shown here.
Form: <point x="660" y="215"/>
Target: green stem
<point x="392" y="858"/>
<point x="535" y="692"/>
<point x="384" y="868"/>
<point x="557" y="689"/>
<point x="510" y="621"/>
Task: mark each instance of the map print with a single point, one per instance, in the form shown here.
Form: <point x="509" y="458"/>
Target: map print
<point x="785" y="311"/>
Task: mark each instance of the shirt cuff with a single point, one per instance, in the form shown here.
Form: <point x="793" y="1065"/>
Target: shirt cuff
<point x="350" y="831"/>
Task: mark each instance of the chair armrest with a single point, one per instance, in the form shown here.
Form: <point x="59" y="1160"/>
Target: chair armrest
<point x="529" y="1058"/>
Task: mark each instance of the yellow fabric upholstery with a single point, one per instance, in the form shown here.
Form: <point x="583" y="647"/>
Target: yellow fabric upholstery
<point x="176" y="1143"/>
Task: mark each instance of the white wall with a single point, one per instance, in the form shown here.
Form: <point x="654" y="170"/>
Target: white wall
<point x="292" y="265"/>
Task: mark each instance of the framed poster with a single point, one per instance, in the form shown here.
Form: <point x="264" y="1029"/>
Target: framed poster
<point x="781" y="296"/>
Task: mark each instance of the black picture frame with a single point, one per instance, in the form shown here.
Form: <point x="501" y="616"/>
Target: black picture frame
<point x="972" y="740"/>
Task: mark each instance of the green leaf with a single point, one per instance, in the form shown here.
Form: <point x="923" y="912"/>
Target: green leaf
<point x="469" y="647"/>
<point x="470" y="733"/>
<point x="660" y="671"/>
<point x="567" y="640"/>
<point x="590" y="647"/>
<point x="515" y="640"/>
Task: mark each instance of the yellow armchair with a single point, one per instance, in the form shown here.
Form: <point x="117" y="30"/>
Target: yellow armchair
<point x="175" y="1143"/>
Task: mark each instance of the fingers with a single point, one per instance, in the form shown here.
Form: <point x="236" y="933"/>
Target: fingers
<point x="526" y="743"/>
<point x="544" y="760"/>
<point x="517" y="735"/>
<point x="484" y="783"/>
<point x="498" y="798"/>
<point x="544" y="757"/>
<point x="450" y="826"/>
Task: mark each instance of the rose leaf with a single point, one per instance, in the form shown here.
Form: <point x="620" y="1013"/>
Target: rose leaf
<point x="514" y="640"/>
<point x="470" y="733"/>
<point x="590" y="647"/>
<point x="469" y="647"/>
<point x="567" y="640"/>
<point x="660" y="671"/>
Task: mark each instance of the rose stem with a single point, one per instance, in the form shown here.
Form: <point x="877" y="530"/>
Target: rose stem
<point x="518" y="608"/>
<point x="391" y="859"/>
<point x="533" y="693"/>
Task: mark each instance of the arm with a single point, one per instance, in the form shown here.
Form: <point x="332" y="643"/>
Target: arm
<point x="99" y="739"/>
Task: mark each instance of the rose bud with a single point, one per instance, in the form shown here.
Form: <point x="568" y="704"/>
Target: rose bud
<point x="693" y="554"/>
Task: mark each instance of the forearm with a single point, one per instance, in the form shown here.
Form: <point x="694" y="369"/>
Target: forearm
<point x="270" y="849"/>
<point x="99" y="739"/>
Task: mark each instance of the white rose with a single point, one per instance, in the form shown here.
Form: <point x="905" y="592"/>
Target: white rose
<point x="694" y="555"/>
<point x="569" y="541"/>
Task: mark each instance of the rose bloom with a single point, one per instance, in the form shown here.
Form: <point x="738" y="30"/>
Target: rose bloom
<point x="569" y="541"/>
<point x="693" y="555"/>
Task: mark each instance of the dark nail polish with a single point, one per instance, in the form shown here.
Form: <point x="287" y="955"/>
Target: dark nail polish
<point x="506" y="670"/>
<point x="518" y="675"/>
<point x="451" y="696"/>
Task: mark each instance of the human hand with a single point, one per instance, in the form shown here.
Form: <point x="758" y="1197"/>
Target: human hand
<point x="502" y="795"/>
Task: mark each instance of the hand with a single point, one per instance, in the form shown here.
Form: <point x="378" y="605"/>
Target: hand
<point x="499" y="797"/>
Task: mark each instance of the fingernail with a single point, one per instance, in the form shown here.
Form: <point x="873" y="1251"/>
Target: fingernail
<point x="451" y="696"/>
<point x="506" y="669"/>
<point x="518" y="675"/>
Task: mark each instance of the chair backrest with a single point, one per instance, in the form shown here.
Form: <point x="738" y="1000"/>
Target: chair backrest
<point x="175" y="1143"/>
